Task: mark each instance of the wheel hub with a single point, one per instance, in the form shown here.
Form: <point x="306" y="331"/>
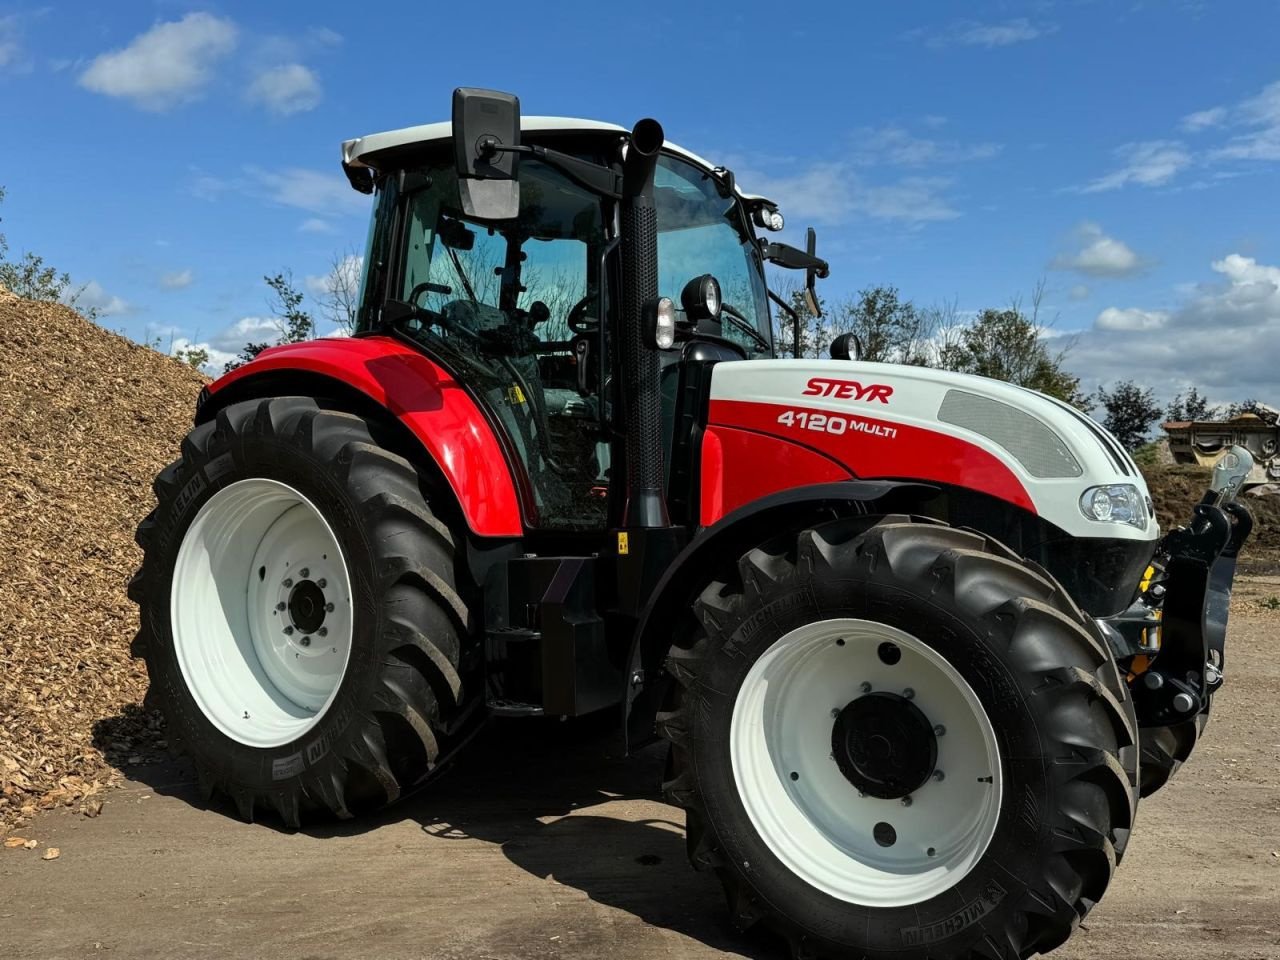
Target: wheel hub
<point x="306" y="606"/>
<point x="884" y="745"/>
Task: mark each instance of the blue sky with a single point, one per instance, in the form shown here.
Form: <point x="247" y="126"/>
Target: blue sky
<point x="169" y="154"/>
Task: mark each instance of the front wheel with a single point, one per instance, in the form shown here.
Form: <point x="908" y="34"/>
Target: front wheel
<point x="897" y="738"/>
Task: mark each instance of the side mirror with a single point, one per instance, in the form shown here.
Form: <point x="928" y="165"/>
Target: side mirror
<point x="811" y="275"/>
<point x="847" y="346"/>
<point x="484" y="123"/>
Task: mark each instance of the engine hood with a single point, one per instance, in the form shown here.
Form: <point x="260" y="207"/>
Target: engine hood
<point x="880" y="420"/>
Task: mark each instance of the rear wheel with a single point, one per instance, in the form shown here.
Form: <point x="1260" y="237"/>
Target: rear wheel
<point x="301" y="615"/>
<point x="897" y="738"/>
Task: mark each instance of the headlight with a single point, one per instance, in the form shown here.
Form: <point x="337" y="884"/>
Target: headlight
<point x="1115" y="503"/>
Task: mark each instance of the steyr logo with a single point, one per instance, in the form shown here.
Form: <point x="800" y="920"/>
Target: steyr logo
<point x="848" y="390"/>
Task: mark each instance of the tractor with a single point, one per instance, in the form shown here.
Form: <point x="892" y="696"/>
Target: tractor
<point x="913" y="638"/>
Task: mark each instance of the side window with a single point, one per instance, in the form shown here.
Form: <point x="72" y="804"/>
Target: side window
<point x="496" y="301"/>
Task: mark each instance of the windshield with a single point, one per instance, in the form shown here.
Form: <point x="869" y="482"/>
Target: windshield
<point x="700" y="230"/>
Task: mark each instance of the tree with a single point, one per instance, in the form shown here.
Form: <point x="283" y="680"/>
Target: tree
<point x="890" y="329"/>
<point x="1249" y="406"/>
<point x="1131" y="411"/>
<point x="194" y="357"/>
<point x="1194" y="406"/>
<point x="293" y="323"/>
<point x="33" y="279"/>
<point x="340" y="297"/>
<point x="1009" y="345"/>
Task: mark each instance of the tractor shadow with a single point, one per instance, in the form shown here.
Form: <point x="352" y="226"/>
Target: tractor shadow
<point x="561" y="802"/>
<point x="558" y="799"/>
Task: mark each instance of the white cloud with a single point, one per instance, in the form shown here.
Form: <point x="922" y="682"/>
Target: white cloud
<point x="1259" y="117"/>
<point x="1099" y="255"/>
<point x="311" y="190"/>
<point x="1079" y="292"/>
<point x="218" y="359"/>
<point x="92" y="296"/>
<point x="291" y="88"/>
<point x="969" y="33"/>
<point x="827" y="193"/>
<point x="316" y="225"/>
<point x="345" y="275"/>
<point x="1148" y="164"/>
<point x="177" y="279"/>
<point x="167" y="65"/>
<point x="232" y="338"/>
<point x="1130" y="318"/>
<point x="1203" y="119"/>
<point x="12" y="56"/>
<point x="1223" y="338"/>
<point x="897" y="146"/>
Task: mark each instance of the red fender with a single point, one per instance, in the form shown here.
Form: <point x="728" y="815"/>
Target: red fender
<point x="427" y="400"/>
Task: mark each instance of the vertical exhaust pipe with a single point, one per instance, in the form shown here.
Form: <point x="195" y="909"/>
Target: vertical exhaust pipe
<point x="645" y="504"/>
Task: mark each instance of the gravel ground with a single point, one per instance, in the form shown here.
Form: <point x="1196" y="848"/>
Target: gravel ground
<point x="543" y="844"/>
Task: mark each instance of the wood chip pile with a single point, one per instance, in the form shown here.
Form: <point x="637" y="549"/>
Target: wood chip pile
<point x="87" y="418"/>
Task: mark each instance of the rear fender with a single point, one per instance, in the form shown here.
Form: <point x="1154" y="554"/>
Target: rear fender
<point x="723" y="542"/>
<point x="386" y="375"/>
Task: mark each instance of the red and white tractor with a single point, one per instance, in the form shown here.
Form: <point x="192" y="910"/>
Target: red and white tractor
<point x="914" y="637"/>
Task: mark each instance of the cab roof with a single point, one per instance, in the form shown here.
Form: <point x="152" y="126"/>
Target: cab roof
<point x="360" y="151"/>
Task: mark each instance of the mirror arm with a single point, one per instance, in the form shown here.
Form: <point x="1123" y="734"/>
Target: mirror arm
<point x="791" y="258"/>
<point x="595" y="177"/>
<point x="795" y="319"/>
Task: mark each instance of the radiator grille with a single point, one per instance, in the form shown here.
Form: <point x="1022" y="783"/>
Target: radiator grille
<point x="1041" y="451"/>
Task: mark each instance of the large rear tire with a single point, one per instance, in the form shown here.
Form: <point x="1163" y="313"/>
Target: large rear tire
<point x="828" y="681"/>
<point x="301" y="615"/>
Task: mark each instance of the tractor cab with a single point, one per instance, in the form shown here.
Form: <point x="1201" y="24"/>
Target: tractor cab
<point x="524" y="309"/>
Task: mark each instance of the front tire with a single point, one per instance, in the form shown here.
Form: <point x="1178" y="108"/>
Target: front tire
<point x="846" y="855"/>
<point x="301" y="613"/>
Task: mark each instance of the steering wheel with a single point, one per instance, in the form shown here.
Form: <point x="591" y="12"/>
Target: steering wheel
<point x="578" y="321"/>
<point x="431" y="317"/>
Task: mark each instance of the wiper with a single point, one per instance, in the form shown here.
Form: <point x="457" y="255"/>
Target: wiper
<point x="745" y="325"/>
<point x="457" y="268"/>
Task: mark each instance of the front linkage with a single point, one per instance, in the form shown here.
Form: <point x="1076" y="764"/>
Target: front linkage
<point x="1175" y="633"/>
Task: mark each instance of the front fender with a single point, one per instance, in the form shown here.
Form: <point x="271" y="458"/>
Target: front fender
<point x="436" y="409"/>
<point x="723" y="542"/>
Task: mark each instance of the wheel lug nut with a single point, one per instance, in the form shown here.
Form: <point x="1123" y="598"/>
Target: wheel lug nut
<point x="288" y="582"/>
<point x="835" y="712"/>
<point x="322" y="583"/>
<point x="939" y="731"/>
<point x="305" y="641"/>
<point x="288" y="631"/>
<point x="906" y="801"/>
<point x="908" y="694"/>
<point x="304" y="573"/>
<point x="328" y="608"/>
<point x="281" y="606"/>
<point x="939" y="776"/>
<point x="323" y="631"/>
<point x="865" y="687"/>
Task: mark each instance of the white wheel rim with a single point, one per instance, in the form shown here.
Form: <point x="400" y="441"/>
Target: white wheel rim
<point x="817" y="824"/>
<point x="261" y="612"/>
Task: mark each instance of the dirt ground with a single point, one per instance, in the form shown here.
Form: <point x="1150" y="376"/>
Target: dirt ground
<point x="543" y="844"/>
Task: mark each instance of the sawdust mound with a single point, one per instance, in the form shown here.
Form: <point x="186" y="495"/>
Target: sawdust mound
<point x="88" y="418"/>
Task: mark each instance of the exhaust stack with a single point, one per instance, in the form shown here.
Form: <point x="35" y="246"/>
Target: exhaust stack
<point x="644" y="504"/>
